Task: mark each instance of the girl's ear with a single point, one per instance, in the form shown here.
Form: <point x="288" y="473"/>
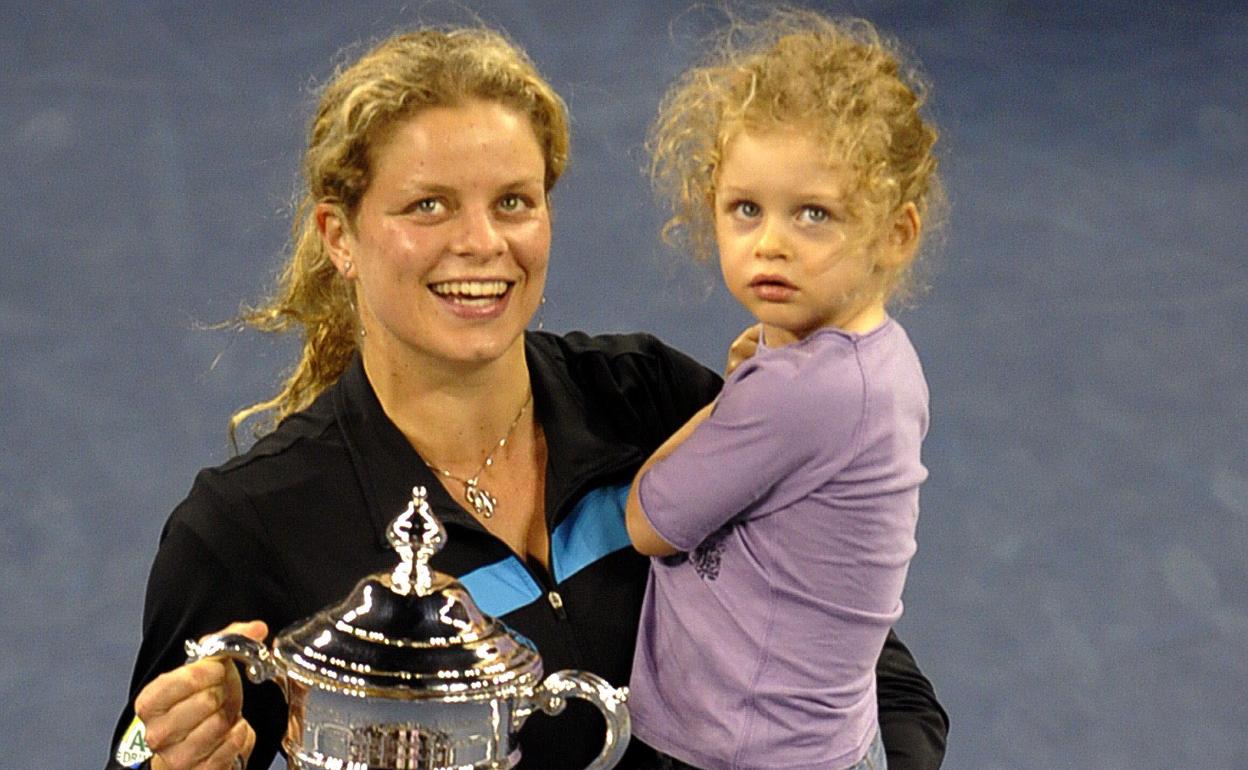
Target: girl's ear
<point x="901" y="242"/>
<point x="335" y="234"/>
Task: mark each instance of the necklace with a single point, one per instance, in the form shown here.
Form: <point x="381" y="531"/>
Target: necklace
<point x="477" y="496"/>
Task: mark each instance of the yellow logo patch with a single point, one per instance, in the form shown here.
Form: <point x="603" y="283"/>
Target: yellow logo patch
<point x="132" y="750"/>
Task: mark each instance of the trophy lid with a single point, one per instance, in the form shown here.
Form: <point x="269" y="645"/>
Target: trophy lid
<point x="411" y="633"/>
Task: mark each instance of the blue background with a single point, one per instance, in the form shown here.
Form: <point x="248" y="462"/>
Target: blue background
<point x="1080" y="596"/>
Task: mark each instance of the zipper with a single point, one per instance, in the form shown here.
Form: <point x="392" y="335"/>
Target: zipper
<point x="556" y="603"/>
<point x="575" y="491"/>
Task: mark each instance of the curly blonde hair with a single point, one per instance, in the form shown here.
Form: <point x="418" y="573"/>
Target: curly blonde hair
<point x="794" y="68"/>
<point x="358" y="107"/>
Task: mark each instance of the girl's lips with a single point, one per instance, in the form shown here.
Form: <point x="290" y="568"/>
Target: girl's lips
<point x="772" y="288"/>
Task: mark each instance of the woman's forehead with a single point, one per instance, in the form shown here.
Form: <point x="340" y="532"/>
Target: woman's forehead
<point x="438" y="145"/>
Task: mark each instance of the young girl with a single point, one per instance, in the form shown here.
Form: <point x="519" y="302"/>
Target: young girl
<point x="792" y="499"/>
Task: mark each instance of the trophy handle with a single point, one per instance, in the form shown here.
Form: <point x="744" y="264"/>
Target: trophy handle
<point x="551" y="697"/>
<point x="255" y="657"/>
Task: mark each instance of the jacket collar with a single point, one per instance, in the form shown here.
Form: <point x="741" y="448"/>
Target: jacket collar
<point x="580" y="449"/>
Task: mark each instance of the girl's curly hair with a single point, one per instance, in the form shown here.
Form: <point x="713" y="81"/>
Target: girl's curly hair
<point x="841" y="80"/>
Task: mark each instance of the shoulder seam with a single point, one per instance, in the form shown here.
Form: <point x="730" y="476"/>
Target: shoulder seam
<point x="254" y="453"/>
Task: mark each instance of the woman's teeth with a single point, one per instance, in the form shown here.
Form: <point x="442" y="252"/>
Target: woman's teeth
<point x="470" y="292"/>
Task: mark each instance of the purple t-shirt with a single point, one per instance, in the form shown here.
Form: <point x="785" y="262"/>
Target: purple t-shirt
<point x="796" y="501"/>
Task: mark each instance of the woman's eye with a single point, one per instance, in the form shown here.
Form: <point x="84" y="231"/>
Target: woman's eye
<point x="512" y="203"/>
<point x="814" y="214"/>
<point x="427" y="206"/>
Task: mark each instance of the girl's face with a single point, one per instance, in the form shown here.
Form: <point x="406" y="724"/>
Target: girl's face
<point x="788" y="248"/>
<point x="449" y="246"/>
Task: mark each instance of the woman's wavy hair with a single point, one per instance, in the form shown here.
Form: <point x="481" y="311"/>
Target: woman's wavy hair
<point x="358" y="107"/>
<point x="841" y="80"/>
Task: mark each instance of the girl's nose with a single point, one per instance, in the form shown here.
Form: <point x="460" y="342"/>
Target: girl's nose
<point x="771" y="242"/>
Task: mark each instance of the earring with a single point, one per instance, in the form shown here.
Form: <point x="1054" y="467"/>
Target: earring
<point x="355" y="311"/>
<point x="541" y="314"/>
<point x="346" y="268"/>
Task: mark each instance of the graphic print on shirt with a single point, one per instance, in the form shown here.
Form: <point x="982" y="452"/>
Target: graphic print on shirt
<point x="708" y="556"/>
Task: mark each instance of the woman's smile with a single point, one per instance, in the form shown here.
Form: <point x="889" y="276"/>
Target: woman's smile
<point x="474" y="298"/>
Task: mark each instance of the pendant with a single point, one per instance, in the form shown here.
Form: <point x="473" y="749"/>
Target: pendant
<point x="481" y="501"/>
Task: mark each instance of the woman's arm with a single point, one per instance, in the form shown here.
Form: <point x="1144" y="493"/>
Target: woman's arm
<point x="913" y="724"/>
<point x="193" y="714"/>
<point x="189" y="713"/>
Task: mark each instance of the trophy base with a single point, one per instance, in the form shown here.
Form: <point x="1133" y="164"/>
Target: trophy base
<point x="302" y="761"/>
<point x="336" y="731"/>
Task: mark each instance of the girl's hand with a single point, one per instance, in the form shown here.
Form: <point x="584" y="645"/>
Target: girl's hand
<point x="743" y="347"/>
<point x="193" y="714"/>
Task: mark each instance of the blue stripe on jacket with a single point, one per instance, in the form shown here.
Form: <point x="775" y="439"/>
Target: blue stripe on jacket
<point x="592" y="530"/>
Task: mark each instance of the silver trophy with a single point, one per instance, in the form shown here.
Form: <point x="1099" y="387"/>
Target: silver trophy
<point x="408" y="674"/>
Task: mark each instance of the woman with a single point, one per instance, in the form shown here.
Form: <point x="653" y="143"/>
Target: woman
<point x="420" y="255"/>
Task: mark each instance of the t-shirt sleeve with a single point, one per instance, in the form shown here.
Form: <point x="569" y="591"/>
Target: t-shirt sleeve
<point x="770" y="424"/>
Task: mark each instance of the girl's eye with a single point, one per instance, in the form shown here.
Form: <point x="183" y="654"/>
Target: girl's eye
<point x="814" y="215"/>
<point x="747" y="209"/>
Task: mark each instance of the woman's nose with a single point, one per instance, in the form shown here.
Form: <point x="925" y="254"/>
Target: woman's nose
<point x="478" y="235"/>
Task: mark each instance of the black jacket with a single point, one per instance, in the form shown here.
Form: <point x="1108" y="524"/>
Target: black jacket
<point x="289" y="528"/>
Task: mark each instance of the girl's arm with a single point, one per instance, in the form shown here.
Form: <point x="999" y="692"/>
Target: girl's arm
<point x="645" y="539"/>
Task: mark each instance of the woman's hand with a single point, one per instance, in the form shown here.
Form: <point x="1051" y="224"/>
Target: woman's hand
<point x="743" y="347"/>
<point x="193" y="714"/>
